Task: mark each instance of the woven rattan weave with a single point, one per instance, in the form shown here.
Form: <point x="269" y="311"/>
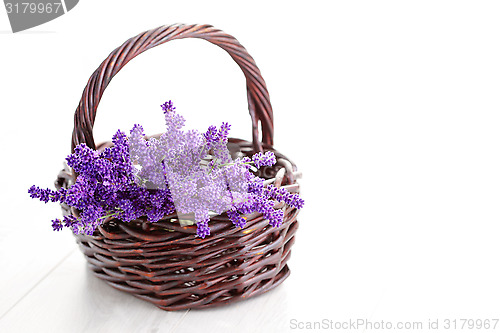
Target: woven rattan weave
<point x="164" y="262"/>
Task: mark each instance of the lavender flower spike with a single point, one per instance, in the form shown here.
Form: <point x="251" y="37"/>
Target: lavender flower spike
<point x="187" y="172"/>
<point x="202" y="229"/>
<point x="57" y="225"/>
<point x="266" y="159"/>
<point x="168" y="107"/>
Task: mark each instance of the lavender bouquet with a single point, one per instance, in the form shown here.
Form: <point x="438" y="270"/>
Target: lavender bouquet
<point x="187" y="172"/>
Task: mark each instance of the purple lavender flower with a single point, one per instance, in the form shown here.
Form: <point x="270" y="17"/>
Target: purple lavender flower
<point x="182" y="171"/>
<point x="255" y="185"/>
<point x="69" y="220"/>
<point x="44" y="195"/>
<point x="276" y="218"/>
<point x="211" y="135"/>
<point x="57" y="225"/>
<point x="168" y="106"/>
<point x="282" y="195"/>
<point x="266" y="159"/>
<point x="128" y="212"/>
<point x="202" y="229"/>
<point x="224" y="132"/>
<point x="237" y="220"/>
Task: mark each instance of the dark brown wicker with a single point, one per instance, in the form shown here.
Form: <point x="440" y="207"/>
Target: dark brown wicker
<point x="164" y="262"/>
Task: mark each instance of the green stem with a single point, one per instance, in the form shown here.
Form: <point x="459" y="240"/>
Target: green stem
<point x="111" y="214"/>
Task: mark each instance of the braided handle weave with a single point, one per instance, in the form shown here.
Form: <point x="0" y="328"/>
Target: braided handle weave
<point x="259" y="104"/>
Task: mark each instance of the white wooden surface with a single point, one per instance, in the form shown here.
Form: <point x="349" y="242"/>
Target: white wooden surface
<point x="389" y="108"/>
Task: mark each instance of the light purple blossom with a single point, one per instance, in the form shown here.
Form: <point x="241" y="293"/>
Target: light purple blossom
<point x="183" y="171"/>
<point x="266" y="159"/>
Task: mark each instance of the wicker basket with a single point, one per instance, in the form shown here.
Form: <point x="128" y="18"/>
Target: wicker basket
<point x="164" y="262"/>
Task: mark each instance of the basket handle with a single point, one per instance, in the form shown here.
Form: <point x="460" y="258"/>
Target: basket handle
<point x="259" y="104"/>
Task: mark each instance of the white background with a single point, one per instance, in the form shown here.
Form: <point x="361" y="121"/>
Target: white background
<point x="390" y="108"/>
